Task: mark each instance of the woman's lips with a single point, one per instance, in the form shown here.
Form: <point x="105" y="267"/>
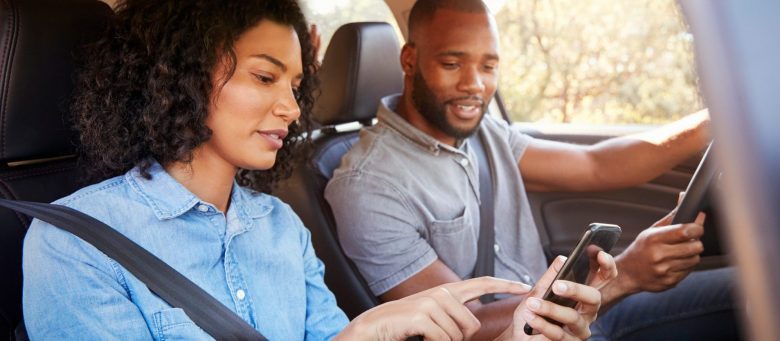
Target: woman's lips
<point x="275" y="138"/>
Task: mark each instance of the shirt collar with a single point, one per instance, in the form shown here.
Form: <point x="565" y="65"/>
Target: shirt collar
<point x="387" y="115"/>
<point x="169" y="199"/>
<point x="242" y="199"/>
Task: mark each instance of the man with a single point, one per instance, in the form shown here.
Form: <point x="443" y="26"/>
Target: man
<point x="406" y="197"/>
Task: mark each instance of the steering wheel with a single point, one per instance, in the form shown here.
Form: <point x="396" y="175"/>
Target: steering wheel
<point x="697" y="199"/>
<point x="697" y="194"/>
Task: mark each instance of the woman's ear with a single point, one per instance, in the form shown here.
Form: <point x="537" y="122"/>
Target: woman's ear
<point x="408" y="58"/>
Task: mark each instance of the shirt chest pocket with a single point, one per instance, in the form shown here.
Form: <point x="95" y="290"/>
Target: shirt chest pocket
<point x="455" y="243"/>
<point x="174" y="324"/>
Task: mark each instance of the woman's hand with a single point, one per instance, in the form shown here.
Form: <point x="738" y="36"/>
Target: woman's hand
<point x="438" y="313"/>
<point x="575" y="322"/>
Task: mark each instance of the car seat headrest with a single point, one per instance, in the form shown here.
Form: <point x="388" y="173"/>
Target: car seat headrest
<point x="39" y="40"/>
<point x="361" y="65"/>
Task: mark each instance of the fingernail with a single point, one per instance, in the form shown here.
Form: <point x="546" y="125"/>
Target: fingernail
<point x="561" y="288"/>
<point x="529" y="316"/>
<point x="534" y="303"/>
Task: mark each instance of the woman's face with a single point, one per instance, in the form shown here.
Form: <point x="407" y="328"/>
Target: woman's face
<point x="250" y="114"/>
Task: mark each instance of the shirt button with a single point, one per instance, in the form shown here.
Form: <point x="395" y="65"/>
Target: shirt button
<point x="496" y="248"/>
<point x="203" y="208"/>
<point x="464" y="162"/>
<point x="240" y="294"/>
<point x="527" y="279"/>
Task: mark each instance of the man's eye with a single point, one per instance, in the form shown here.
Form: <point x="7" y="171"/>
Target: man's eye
<point x="449" y="66"/>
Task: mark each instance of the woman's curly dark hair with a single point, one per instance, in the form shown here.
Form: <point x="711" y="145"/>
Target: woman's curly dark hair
<point x="145" y="88"/>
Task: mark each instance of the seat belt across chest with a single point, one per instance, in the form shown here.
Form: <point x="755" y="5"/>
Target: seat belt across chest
<point x="487" y="239"/>
<point x="205" y="311"/>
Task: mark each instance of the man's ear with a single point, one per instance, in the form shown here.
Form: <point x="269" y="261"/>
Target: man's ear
<point x="408" y="58"/>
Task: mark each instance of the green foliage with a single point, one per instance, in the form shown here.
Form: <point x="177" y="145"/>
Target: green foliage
<point x="597" y="61"/>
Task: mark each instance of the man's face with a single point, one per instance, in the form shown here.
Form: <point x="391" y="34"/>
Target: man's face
<point x="434" y="110"/>
<point x="455" y="73"/>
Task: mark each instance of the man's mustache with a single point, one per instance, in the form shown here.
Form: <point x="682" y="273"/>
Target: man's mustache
<point x="473" y="98"/>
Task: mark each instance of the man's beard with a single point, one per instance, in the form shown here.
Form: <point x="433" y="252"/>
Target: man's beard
<point x="435" y="113"/>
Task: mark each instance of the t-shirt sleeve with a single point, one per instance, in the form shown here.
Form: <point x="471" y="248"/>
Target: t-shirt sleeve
<point x="518" y="141"/>
<point x="378" y="230"/>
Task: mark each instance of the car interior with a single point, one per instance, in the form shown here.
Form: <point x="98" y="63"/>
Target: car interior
<point x="40" y="39"/>
<point x="359" y="68"/>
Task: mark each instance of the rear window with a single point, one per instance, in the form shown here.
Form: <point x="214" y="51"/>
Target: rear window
<point x="331" y="14"/>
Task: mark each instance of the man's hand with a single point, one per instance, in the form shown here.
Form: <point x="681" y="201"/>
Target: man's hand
<point x="438" y="313"/>
<point x="659" y="258"/>
<point x="576" y="321"/>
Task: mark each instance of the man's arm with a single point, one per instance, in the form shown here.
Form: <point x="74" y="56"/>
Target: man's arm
<point x="615" y="163"/>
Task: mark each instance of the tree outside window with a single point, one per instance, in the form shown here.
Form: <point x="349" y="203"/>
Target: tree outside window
<point x="596" y="61"/>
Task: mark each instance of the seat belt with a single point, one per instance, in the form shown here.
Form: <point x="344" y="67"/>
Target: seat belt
<point x="485" y="252"/>
<point x="170" y="285"/>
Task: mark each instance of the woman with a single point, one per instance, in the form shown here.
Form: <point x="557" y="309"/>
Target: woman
<point x="194" y="109"/>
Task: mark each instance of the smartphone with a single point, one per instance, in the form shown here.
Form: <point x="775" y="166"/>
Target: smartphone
<point x="577" y="268"/>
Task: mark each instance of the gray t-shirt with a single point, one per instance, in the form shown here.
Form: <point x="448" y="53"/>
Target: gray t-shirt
<point x="402" y="199"/>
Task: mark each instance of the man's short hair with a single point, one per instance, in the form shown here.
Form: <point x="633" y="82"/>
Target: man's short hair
<point x="423" y="11"/>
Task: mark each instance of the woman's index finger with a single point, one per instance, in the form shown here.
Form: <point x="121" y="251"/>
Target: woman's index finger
<point x="470" y="289"/>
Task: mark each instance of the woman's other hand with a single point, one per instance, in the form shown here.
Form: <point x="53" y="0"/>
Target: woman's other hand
<point x="438" y="313"/>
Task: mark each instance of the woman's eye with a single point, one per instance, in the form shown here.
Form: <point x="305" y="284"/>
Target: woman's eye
<point x="449" y="66"/>
<point x="297" y="94"/>
<point x="264" y="79"/>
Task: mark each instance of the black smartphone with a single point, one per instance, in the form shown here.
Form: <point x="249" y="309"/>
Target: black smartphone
<point x="577" y="268"/>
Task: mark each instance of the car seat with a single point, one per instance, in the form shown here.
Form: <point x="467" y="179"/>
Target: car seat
<point x="361" y="65"/>
<point x="39" y="39"/>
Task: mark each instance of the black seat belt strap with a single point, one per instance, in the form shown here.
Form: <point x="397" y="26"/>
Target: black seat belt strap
<point x="485" y="252"/>
<point x="167" y="283"/>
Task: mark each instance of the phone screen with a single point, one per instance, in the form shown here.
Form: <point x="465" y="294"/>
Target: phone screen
<point x="583" y="263"/>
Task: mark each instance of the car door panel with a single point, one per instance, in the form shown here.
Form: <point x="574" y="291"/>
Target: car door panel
<point x="562" y="217"/>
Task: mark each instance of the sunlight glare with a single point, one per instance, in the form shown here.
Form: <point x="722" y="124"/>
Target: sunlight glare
<point x="327" y="7"/>
<point x="495" y="5"/>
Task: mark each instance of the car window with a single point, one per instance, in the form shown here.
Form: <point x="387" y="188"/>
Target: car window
<point x="596" y="62"/>
<point x="330" y="15"/>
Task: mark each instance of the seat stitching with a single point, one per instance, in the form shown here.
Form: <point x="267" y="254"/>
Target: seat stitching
<point x="35" y="173"/>
<point x="8" y="60"/>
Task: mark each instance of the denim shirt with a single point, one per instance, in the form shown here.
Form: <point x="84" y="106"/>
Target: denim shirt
<point x="257" y="260"/>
